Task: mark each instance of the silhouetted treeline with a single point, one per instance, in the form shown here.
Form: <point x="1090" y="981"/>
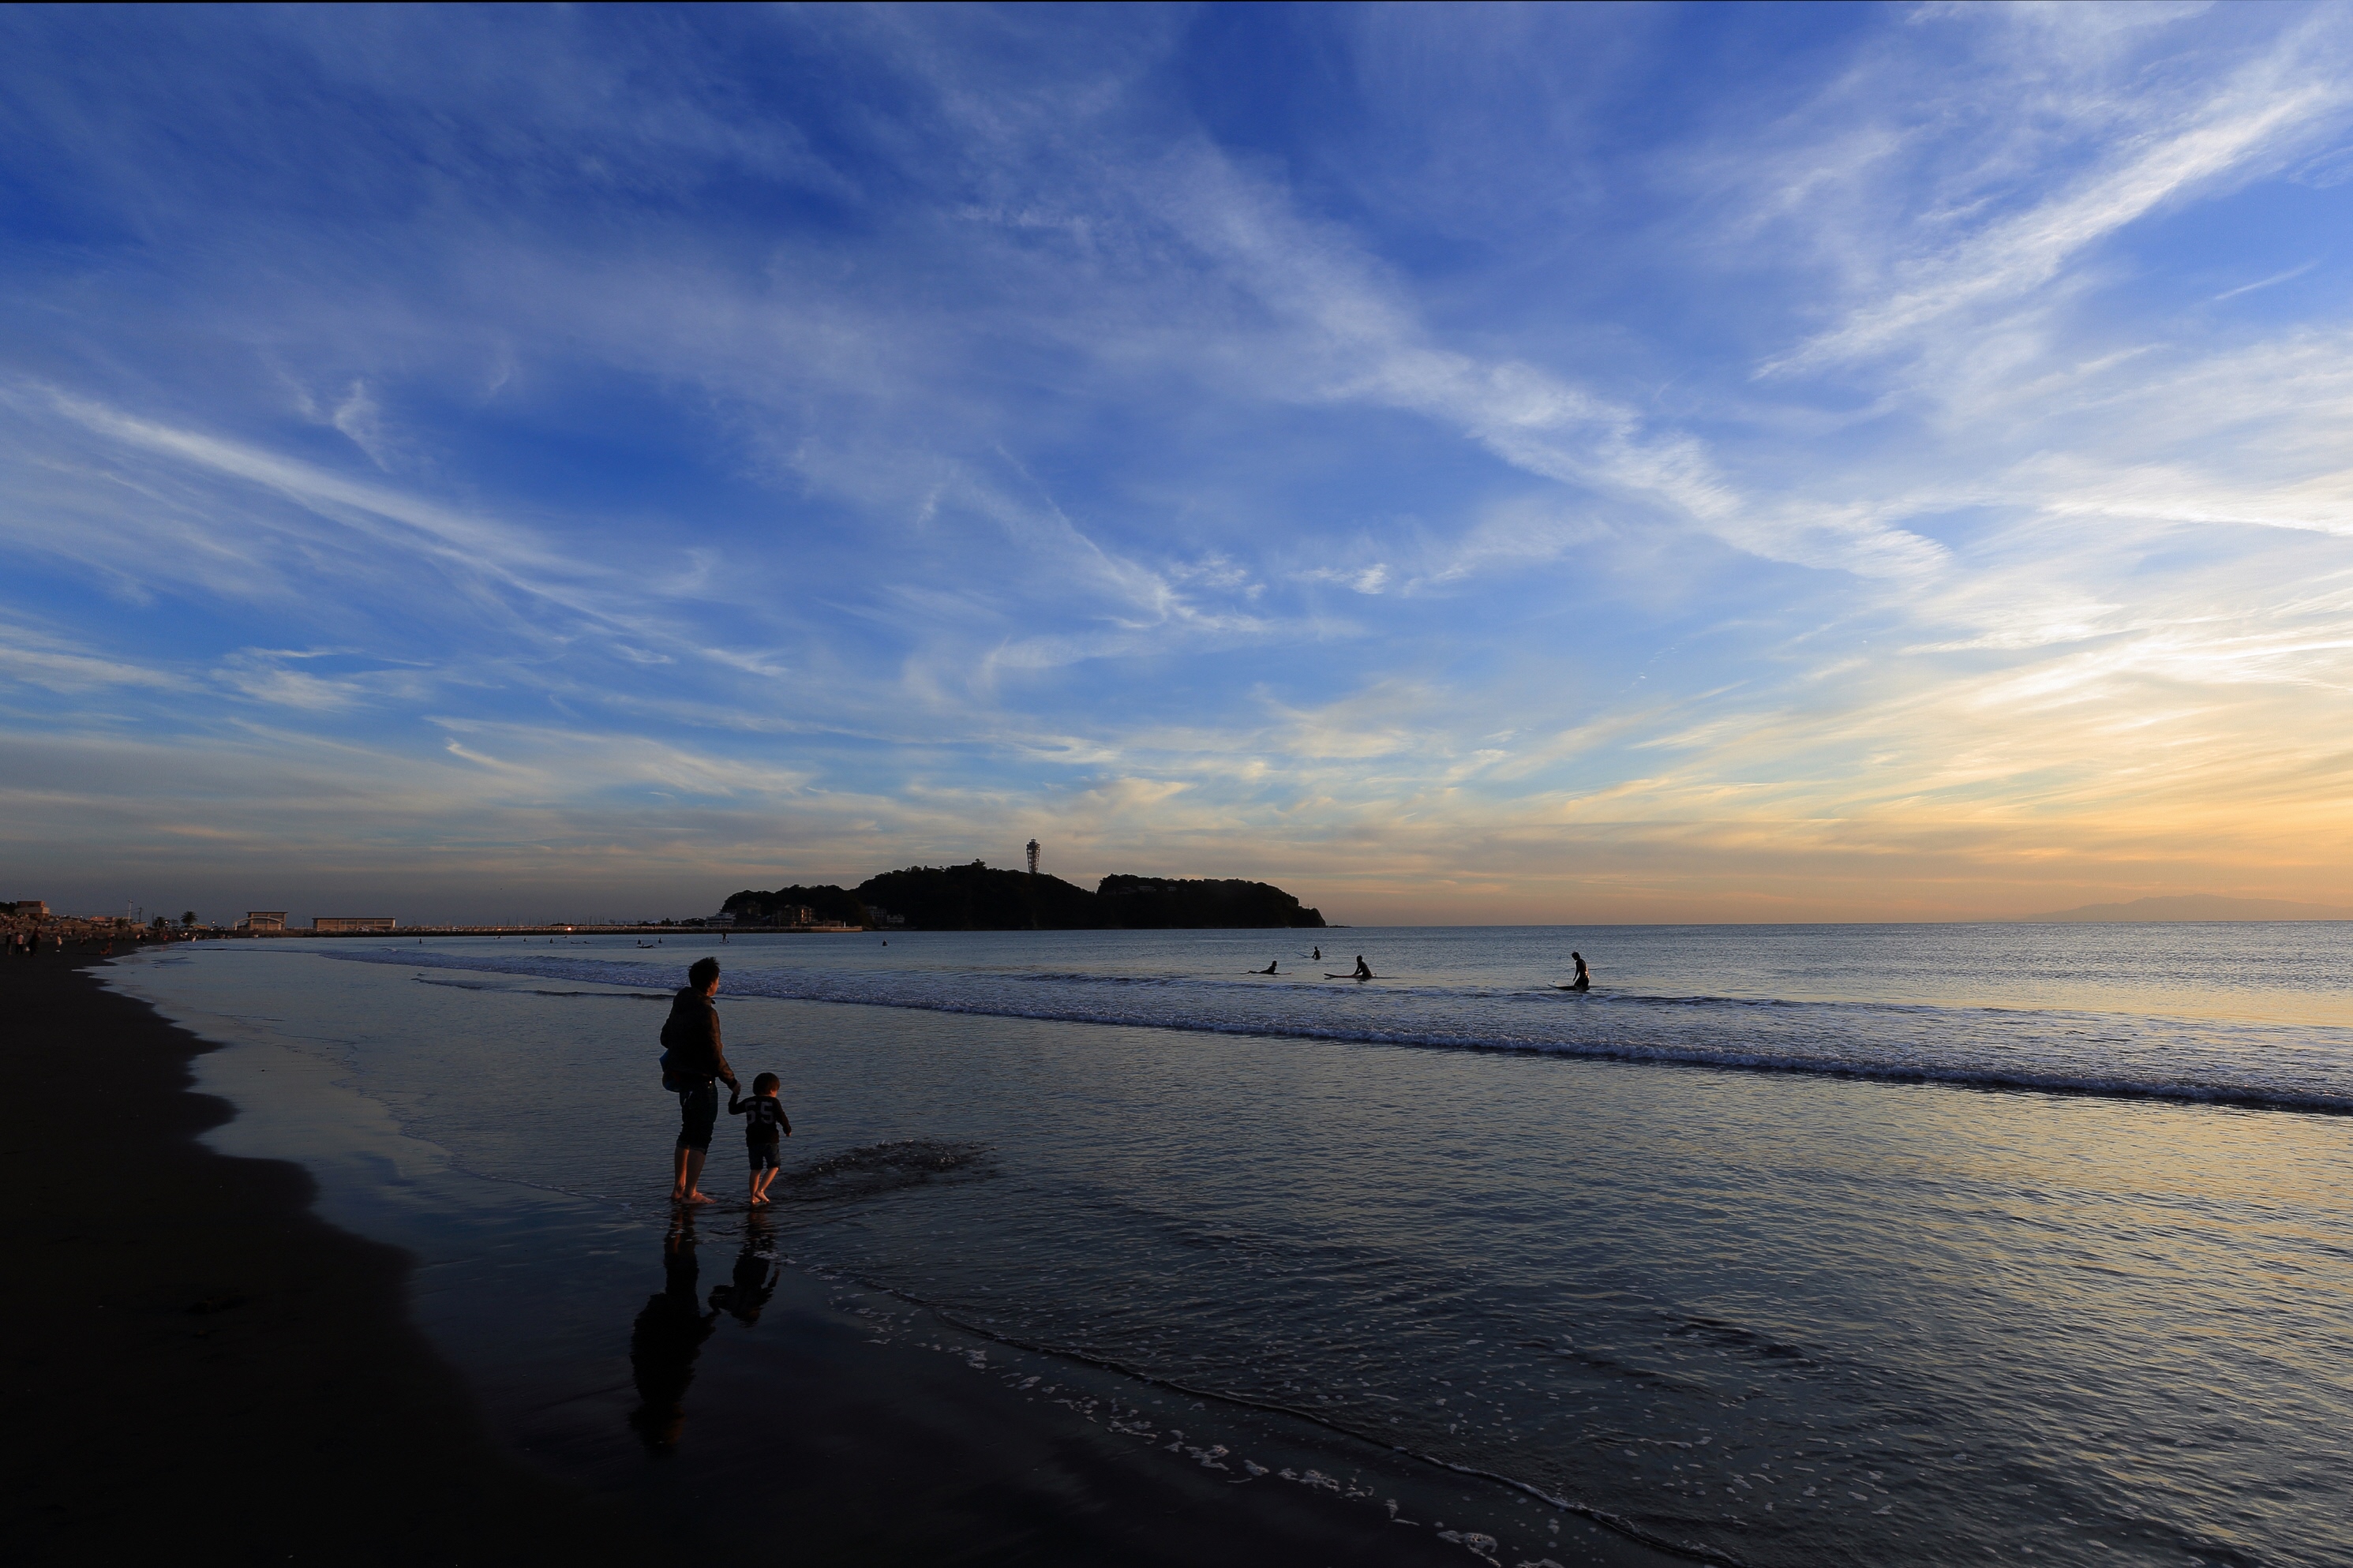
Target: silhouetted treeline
<point x="973" y="898"/>
<point x="976" y="898"/>
<point x="829" y="902"/>
<point x="1150" y="903"/>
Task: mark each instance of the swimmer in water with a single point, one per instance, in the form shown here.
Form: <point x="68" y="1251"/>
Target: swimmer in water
<point x="1584" y="981"/>
<point x="1364" y="970"/>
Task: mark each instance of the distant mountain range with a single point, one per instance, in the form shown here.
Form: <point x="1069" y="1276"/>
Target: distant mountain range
<point x="2194" y="907"/>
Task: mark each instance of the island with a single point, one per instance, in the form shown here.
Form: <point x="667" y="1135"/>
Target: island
<point x="978" y="897"/>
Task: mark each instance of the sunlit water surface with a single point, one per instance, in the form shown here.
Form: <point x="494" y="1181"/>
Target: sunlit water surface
<point x="1748" y="1246"/>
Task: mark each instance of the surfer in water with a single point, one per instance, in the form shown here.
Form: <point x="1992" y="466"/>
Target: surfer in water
<point x="1583" y="982"/>
<point x="1268" y="970"/>
<point x="1317" y="955"/>
<point x="1364" y="970"/>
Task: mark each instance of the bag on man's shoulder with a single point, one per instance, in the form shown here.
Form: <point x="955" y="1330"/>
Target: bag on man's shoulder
<point x="671" y="1082"/>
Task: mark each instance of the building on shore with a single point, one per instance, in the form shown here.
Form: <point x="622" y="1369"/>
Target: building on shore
<point x="263" y="920"/>
<point x="35" y="909"/>
<point x="352" y="922"/>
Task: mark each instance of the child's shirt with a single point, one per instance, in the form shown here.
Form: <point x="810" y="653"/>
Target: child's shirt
<point x="764" y="1117"/>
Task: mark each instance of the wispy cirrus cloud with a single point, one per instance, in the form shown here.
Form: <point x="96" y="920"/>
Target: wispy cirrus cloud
<point x="815" y="441"/>
<point x="1994" y="238"/>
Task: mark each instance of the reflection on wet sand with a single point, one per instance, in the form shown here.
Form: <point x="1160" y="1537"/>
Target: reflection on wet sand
<point x="755" y="1273"/>
<point x="667" y="1336"/>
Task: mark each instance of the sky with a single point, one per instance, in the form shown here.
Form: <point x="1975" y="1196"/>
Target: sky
<point x="1464" y="465"/>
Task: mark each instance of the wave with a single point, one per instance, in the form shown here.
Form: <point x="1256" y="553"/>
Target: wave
<point x="2271" y="1067"/>
<point x="874" y="1169"/>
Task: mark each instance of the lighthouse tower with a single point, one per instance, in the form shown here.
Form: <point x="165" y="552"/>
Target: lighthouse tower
<point x="1033" y="857"/>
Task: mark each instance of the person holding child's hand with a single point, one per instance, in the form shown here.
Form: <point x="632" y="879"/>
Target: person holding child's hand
<point x="692" y="1059"/>
<point x="764" y="1129"/>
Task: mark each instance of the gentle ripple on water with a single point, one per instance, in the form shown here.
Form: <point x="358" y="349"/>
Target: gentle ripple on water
<point x="1793" y="1319"/>
<point x="2300" y="1066"/>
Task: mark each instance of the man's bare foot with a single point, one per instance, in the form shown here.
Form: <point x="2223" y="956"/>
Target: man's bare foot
<point x="697" y="1198"/>
<point x="757" y="1201"/>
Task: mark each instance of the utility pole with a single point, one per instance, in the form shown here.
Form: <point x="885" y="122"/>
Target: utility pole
<point x="1033" y="857"/>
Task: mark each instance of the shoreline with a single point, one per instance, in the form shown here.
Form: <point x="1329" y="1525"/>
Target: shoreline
<point x="207" y="1363"/>
<point x="298" y="1352"/>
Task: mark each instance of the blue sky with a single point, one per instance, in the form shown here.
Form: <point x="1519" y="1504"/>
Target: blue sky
<point x="1515" y="465"/>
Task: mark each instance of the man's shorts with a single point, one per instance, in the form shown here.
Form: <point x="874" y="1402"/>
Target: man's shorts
<point x="697" y="1114"/>
<point x="764" y="1155"/>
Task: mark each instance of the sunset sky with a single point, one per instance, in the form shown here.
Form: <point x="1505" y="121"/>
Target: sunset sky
<point x="1463" y="465"/>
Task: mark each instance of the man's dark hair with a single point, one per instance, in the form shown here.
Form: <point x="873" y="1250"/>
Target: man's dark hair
<point x="765" y="1082"/>
<point x="704" y="972"/>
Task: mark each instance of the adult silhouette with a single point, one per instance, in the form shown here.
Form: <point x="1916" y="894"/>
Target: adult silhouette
<point x="692" y="1060"/>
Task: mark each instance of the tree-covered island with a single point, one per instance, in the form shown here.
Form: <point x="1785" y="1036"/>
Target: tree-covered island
<point x="978" y="898"/>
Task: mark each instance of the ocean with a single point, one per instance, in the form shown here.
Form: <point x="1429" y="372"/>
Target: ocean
<point x="1794" y="1246"/>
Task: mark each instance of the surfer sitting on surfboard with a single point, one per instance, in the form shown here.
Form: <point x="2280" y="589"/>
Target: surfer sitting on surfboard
<point x="1364" y="970"/>
<point x="1584" y="981"/>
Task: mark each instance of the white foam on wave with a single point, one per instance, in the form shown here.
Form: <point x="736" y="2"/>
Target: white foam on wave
<point x="2282" y="1067"/>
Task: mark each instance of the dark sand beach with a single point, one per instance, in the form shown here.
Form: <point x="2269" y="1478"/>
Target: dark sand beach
<point x="198" y="1367"/>
<point x="197" y="1360"/>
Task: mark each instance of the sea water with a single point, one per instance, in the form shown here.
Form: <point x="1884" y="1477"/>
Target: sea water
<point x="1790" y="1246"/>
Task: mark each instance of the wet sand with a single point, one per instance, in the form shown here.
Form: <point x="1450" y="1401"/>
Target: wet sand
<point x="197" y="1368"/>
<point x="199" y="1363"/>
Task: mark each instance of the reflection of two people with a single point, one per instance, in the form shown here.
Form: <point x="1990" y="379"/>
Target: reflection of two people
<point x="669" y="1332"/>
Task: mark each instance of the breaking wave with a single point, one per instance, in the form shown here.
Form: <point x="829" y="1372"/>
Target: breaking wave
<point x="2278" y="1065"/>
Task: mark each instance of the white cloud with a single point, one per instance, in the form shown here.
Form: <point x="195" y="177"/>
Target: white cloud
<point x="2250" y="122"/>
<point x="1002" y="499"/>
<point x="58" y="666"/>
<point x="358" y="417"/>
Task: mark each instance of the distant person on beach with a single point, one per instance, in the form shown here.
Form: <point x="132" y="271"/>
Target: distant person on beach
<point x="693" y="1058"/>
<point x="765" y="1128"/>
<point x="1584" y="981"/>
<point x="1364" y="970"/>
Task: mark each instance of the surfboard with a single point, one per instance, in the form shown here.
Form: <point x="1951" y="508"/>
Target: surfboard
<point x="1351" y="975"/>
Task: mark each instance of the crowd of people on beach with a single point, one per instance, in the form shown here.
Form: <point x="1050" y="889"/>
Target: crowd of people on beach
<point x="29" y="941"/>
